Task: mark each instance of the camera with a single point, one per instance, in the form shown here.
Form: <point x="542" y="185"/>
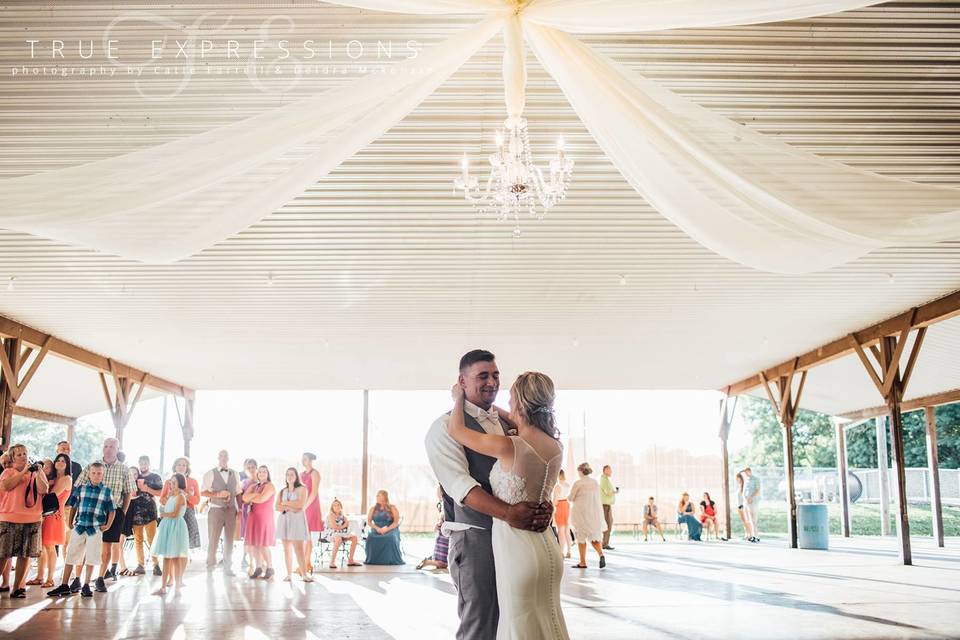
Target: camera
<point x="35" y="466"/>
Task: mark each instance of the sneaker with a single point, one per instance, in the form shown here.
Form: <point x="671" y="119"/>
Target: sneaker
<point x="256" y="573"/>
<point x="19" y="593"/>
<point x="603" y="561"/>
<point x="86" y="593"/>
<point x="101" y="587"/>
<point x="61" y="591"/>
<point x="268" y="574"/>
<point x="75" y="586"/>
<point x="608" y="548"/>
<point x="139" y="571"/>
<point x="156" y="570"/>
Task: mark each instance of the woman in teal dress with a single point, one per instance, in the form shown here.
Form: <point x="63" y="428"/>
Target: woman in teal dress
<point x="172" y="542"/>
<point x="685" y="516"/>
<point x="383" y="540"/>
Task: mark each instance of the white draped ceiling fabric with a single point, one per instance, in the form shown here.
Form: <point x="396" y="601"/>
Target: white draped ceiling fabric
<point x="744" y="195"/>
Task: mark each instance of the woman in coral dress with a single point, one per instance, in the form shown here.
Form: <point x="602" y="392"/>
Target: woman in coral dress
<point x="260" y="535"/>
<point x="310" y="478"/>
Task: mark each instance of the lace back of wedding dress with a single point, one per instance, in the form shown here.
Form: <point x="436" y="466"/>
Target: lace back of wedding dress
<point x="539" y="472"/>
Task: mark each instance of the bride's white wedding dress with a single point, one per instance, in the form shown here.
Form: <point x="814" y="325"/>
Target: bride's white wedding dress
<point x="529" y="565"/>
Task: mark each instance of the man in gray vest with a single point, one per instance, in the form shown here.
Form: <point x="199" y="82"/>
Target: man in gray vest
<point x="221" y="486"/>
<point x="468" y="502"/>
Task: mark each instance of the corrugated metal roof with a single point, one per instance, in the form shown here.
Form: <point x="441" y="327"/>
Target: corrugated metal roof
<point x="379" y="277"/>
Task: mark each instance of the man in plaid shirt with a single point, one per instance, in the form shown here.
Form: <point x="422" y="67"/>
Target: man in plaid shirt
<point x="92" y="512"/>
<point x="116" y="477"/>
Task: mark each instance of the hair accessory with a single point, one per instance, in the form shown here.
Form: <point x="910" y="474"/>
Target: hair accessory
<point x="542" y="410"/>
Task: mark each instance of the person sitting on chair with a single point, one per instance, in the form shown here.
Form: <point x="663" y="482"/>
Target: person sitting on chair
<point x="340" y="531"/>
<point x="383" y="541"/>
<point x="650" y="519"/>
<point x="708" y="514"/>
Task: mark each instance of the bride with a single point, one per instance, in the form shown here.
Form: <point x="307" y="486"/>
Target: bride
<point x="529" y="565"/>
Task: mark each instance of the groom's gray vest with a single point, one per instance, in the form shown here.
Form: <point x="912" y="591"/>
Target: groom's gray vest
<point x="480" y="466"/>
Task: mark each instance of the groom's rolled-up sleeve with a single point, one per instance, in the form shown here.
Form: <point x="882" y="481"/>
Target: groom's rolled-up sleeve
<point x="449" y="461"/>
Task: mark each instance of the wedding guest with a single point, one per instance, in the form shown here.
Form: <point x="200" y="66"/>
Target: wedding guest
<point x="441" y="546"/>
<point x="342" y="531"/>
<point x="751" y="502"/>
<point x="383" y="540"/>
<point x="292" y="524"/>
<point x="92" y="513"/>
<point x="182" y="466"/>
<point x="685" y="516"/>
<point x="116" y="478"/>
<point x="221" y="486"/>
<point x="586" y="515"/>
<point x="747" y="525"/>
<point x="20" y="518"/>
<point x="118" y="555"/>
<point x="608" y="496"/>
<point x="650" y="519"/>
<point x="5" y="564"/>
<point x="53" y="529"/>
<point x="261" y="530"/>
<point x="561" y="512"/>
<point x="247" y="477"/>
<point x="708" y="514"/>
<point x="47" y="471"/>
<point x="143" y="514"/>
<point x="76" y="468"/>
<point x="172" y="542"/>
<point x="310" y="478"/>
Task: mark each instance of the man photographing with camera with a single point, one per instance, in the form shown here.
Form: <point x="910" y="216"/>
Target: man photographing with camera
<point x="22" y="487"/>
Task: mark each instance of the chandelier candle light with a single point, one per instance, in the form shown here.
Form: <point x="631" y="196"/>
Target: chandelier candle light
<point x="515" y="184"/>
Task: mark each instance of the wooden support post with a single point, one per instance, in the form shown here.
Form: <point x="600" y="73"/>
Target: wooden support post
<point x="727" y="409"/>
<point x="892" y="385"/>
<point x="187" y="425"/>
<point x="71" y="432"/>
<point x="163" y="432"/>
<point x="933" y="461"/>
<point x="10" y="358"/>
<point x="841" y="436"/>
<point x="365" y="463"/>
<point x="786" y="402"/>
<point x="883" y="474"/>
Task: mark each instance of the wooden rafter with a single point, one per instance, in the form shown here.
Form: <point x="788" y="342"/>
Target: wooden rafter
<point x="13" y="364"/>
<point x="34" y="339"/>
<point x="923" y="316"/>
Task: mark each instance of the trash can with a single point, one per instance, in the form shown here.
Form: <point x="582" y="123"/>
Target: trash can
<point x="813" y="526"/>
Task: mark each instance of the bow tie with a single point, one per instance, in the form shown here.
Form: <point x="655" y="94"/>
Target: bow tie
<point x="489" y="415"/>
<point x="224" y="470"/>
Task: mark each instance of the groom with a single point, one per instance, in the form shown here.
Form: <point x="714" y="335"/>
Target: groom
<point x="468" y="502"/>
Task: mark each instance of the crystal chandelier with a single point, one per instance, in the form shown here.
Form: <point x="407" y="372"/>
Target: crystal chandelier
<point x="516" y="185"/>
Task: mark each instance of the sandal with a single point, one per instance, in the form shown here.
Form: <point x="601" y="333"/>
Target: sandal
<point x="36" y="582"/>
<point x="126" y="572"/>
<point x="333" y="566"/>
<point x="48" y="584"/>
<point x="579" y="566"/>
<point x="354" y="564"/>
<point x="308" y="578"/>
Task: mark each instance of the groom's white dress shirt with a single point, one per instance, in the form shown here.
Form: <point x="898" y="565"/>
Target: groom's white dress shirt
<point x="449" y="461"/>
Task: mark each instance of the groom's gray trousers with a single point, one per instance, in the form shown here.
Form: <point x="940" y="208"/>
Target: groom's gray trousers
<point x="470" y="559"/>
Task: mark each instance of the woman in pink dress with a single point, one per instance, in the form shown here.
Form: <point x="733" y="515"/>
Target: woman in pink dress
<point x="260" y="535"/>
<point x="310" y="478"/>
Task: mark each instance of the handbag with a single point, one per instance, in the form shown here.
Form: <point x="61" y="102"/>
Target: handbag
<point x="50" y="504"/>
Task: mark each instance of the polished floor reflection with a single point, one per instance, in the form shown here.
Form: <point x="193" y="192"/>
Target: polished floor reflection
<point x="649" y="590"/>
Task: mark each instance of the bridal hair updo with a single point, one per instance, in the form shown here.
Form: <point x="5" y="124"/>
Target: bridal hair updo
<point x="534" y="393"/>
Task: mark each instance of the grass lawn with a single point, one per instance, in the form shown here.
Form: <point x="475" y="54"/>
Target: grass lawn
<point x="864" y="519"/>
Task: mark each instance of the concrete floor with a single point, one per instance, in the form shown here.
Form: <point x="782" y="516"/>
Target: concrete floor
<point x="649" y="590"/>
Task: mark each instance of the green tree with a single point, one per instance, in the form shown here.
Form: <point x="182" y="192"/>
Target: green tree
<point x="814" y="444"/>
<point x="41" y="439"/>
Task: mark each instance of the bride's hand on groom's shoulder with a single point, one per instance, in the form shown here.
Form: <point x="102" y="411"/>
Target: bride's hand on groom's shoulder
<point x="456" y="392"/>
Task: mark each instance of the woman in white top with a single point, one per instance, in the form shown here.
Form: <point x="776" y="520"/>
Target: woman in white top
<point x="561" y="513"/>
<point x="586" y="516"/>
